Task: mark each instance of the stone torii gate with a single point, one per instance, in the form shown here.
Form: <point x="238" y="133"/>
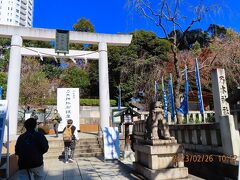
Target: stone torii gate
<point x="17" y="34"/>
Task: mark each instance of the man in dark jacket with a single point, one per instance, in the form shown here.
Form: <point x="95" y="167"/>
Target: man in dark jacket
<point x="30" y="148"/>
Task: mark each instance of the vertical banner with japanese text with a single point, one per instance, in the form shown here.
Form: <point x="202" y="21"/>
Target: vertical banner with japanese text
<point x="68" y="106"/>
<point x="111" y="143"/>
<point x="198" y="83"/>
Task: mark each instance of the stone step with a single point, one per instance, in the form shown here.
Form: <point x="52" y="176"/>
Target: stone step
<point x="80" y="151"/>
<point x="79" y="143"/>
<point x="87" y="147"/>
<point x="77" y="152"/>
<point x="92" y="146"/>
<point x="77" y="149"/>
<point x="96" y="154"/>
<point x="76" y="155"/>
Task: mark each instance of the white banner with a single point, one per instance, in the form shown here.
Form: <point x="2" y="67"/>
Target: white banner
<point x="3" y="115"/>
<point x="111" y="143"/>
<point x="68" y="106"/>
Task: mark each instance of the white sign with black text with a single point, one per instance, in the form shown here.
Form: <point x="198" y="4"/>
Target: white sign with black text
<point x="68" y="106"/>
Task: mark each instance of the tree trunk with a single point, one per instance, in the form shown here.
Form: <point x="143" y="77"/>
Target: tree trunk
<point x="178" y="82"/>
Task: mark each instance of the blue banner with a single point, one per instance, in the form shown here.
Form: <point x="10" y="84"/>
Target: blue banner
<point x="184" y="104"/>
<point x="119" y="98"/>
<point x="171" y="98"/>
<point x="165" y="101"/>
<point x="200" y="99"/>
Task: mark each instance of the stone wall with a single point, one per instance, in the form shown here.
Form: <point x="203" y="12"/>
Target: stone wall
<point x="203" y="138"/>
<point x="88" y="114"/>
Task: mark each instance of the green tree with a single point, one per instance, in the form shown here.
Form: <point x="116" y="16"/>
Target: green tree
<point x="52" y="71"/>
<point x="92" y="70"/>
<point x="83" y="25"/>
<point x="132" y="66"/>
<point x="216" y="30"/>
<point x="3" y="83"/>
<point x="190" y="37"/>
<point x="39" y="44"/>
<point x="74" y="77"/>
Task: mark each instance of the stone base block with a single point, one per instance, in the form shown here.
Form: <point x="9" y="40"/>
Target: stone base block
<point x="159" y="156"/>
<point x="153" y="142"/>
<point x="163" y="174"/>
<point x="159" y="149"/>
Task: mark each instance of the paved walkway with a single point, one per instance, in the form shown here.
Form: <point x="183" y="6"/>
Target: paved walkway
<point x="86" y="169"/>
<point x="91" y="168"/>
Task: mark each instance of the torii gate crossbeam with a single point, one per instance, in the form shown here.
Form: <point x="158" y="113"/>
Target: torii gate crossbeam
<point x="17" y="34"/>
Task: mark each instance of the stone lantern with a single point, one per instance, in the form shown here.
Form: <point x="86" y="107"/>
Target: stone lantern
<point x="127" y="115"/>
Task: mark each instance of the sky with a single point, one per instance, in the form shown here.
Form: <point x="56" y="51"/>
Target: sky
<point x="114" y="16"/>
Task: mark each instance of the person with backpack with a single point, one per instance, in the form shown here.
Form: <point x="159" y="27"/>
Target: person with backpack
<point x="30" y="148"/>
<point x="56" y="119"/>
<point x="70" y="137"/>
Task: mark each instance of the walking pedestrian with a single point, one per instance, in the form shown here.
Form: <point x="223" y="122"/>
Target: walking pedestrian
<point x="56" y="120"/>
<point x="70" y="137"/>
<point x="30" y="148"/>
<point x="34" y="115"/>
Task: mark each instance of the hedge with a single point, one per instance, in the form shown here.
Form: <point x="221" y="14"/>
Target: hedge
<point x="83" y="102"/>
<point x="95" y="102"/>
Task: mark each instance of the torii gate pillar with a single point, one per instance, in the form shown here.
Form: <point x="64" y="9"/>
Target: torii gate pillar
<point x="104" y="85"/>
<point x="13" y="83"/>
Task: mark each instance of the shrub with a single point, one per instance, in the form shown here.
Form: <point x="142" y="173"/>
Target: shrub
<point x="95" y="102"/>
<point x="83" y="102"/>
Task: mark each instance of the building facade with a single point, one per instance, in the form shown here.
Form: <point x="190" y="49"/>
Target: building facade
<point x="16" y="12"/>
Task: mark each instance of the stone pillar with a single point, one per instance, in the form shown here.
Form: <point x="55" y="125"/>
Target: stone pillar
<point x="229" y="131"/>
<point x="203" y="136"/>
<point x="230" y="136"/>
<point x="220" y="93"/>
<point x="13" y="83"/>
<point x="104" y="85"/>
